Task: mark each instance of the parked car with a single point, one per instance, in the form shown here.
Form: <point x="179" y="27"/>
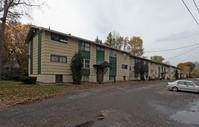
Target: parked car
<point x="183" y="85"/>
<point x="196" y="78"/>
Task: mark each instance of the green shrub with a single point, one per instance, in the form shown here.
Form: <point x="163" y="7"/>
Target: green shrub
<point x="76" y="67"/>
<point x="142" y="78"/>
<point x="28" y="80"/>
<point x="176" y="74"/>
<point x="16" y="78"/>
<point x="7" y="75"/>
<point x="99" y="81"/>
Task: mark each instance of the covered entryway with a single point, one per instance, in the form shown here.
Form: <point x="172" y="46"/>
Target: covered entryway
<point x="102" y="68"/>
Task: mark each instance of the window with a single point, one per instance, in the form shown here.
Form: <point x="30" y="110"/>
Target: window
<point x="112" y="78"/>
<point x="189" y="84"/>
<point x="129" y="67"/>
<point x="86" y="63"/>
<point x="84" y="46"/>
<point x="124" y="66"/>
<point x="113" y="66"/>
<point x="124" y="56"/>
<point x="181" y="82"/>
<point x="57" y="37"/>
<point x="100" y="48"/>
<point x="112" y="53"/>
<point x="61" y="59"/>
<point x="136" y="60"/>
<point x="151" y="70"/>
<point x="124" y="77"/>
<point x="59" y="78"/>
<point x="85" y="78"/>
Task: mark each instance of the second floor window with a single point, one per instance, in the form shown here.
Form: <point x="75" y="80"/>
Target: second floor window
<point x="113" y="66"/>
<point x="100" y="48"/>
<point x="60" y="38"/>
<point x="84" y="46"/>
<point x="112" y="53"/>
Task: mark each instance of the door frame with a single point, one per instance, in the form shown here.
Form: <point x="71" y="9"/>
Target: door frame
<point x="102" y="73"/>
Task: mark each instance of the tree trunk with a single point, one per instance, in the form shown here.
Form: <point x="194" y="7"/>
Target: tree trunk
<point x="2" y="33"/>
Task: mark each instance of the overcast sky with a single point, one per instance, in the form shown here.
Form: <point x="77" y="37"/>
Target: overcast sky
<point x="162" y="24"/>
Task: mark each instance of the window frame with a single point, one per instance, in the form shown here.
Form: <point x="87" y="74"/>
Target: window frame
<point x="85" y="77"/>
<point x="113" y="66"/>
<point x="112" y="53"/>
<point x="124" y="66"/>
<point x="124" y="56"/>
<point x="58" y="57"/>
<point x="84" y="46"/>
<point x="60" y="38"/>
<point x="60" y="77"/>
<point x="111" y="78"/>
<point x="84" y="64"/>
<point x="100" y="48"/>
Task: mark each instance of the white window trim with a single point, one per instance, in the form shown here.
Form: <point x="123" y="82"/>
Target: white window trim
<point x="84" y="65"/>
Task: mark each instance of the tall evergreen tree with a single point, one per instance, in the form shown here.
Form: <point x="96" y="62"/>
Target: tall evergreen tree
<point x="109" y="40"/>
<point x="97" y="40"/>
<point x="76" y="67"/>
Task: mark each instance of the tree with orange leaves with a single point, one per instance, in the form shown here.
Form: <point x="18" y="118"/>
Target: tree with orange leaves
<point x="187" y="68"/>
<point x="135" y="46"/>
<point x="15" y="51"/>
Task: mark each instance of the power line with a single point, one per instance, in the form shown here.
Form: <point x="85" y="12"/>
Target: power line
<point x="183" y="53"/>
<point x="190" y="12"/>
<point x="196" y="5"/>
<point x="172" y="49"/>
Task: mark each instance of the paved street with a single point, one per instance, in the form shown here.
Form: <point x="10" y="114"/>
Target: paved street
<point x="130" y="105"/>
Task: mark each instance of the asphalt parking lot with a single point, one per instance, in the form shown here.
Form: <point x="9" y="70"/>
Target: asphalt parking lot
<point x="126" y="105"/>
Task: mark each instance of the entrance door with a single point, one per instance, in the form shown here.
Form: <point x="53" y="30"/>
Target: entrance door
<point x="100" y="74"/>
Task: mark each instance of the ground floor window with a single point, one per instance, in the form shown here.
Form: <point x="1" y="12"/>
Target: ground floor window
<point x="112" y="78"/>
<point x="85" y="78"/>
<point x="86" y="63"/>
<point x="124" y="77"/>
<point x="59" y="78"/>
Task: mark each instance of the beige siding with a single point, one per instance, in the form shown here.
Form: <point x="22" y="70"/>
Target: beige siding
<point x="57" y="48"/>
<point x="35" y="55"/>
<point x="153" y="70"/>
<point x="50" y="69"/>
<point x="93" y="70"/>
<point x="122" y="72"/>
<point x="29" y="57"/>
<point x="106" y="72"/>
<point x="131" y="72"/>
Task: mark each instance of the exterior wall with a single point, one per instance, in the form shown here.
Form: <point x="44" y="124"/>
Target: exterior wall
<point x="50" y="69"/>
<point x="35" y="55"/>
<point x="106" y="72"/>
<point x="122" y="72"/>
<point x="153" y="70"/>
<point x="93" y="70"/>
<point x="131" y="71"/>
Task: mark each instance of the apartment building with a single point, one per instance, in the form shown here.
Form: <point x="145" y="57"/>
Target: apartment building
<point x="50" y="54"/>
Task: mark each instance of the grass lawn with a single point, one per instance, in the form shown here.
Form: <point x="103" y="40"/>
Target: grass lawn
<point x="12" y="93"/>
